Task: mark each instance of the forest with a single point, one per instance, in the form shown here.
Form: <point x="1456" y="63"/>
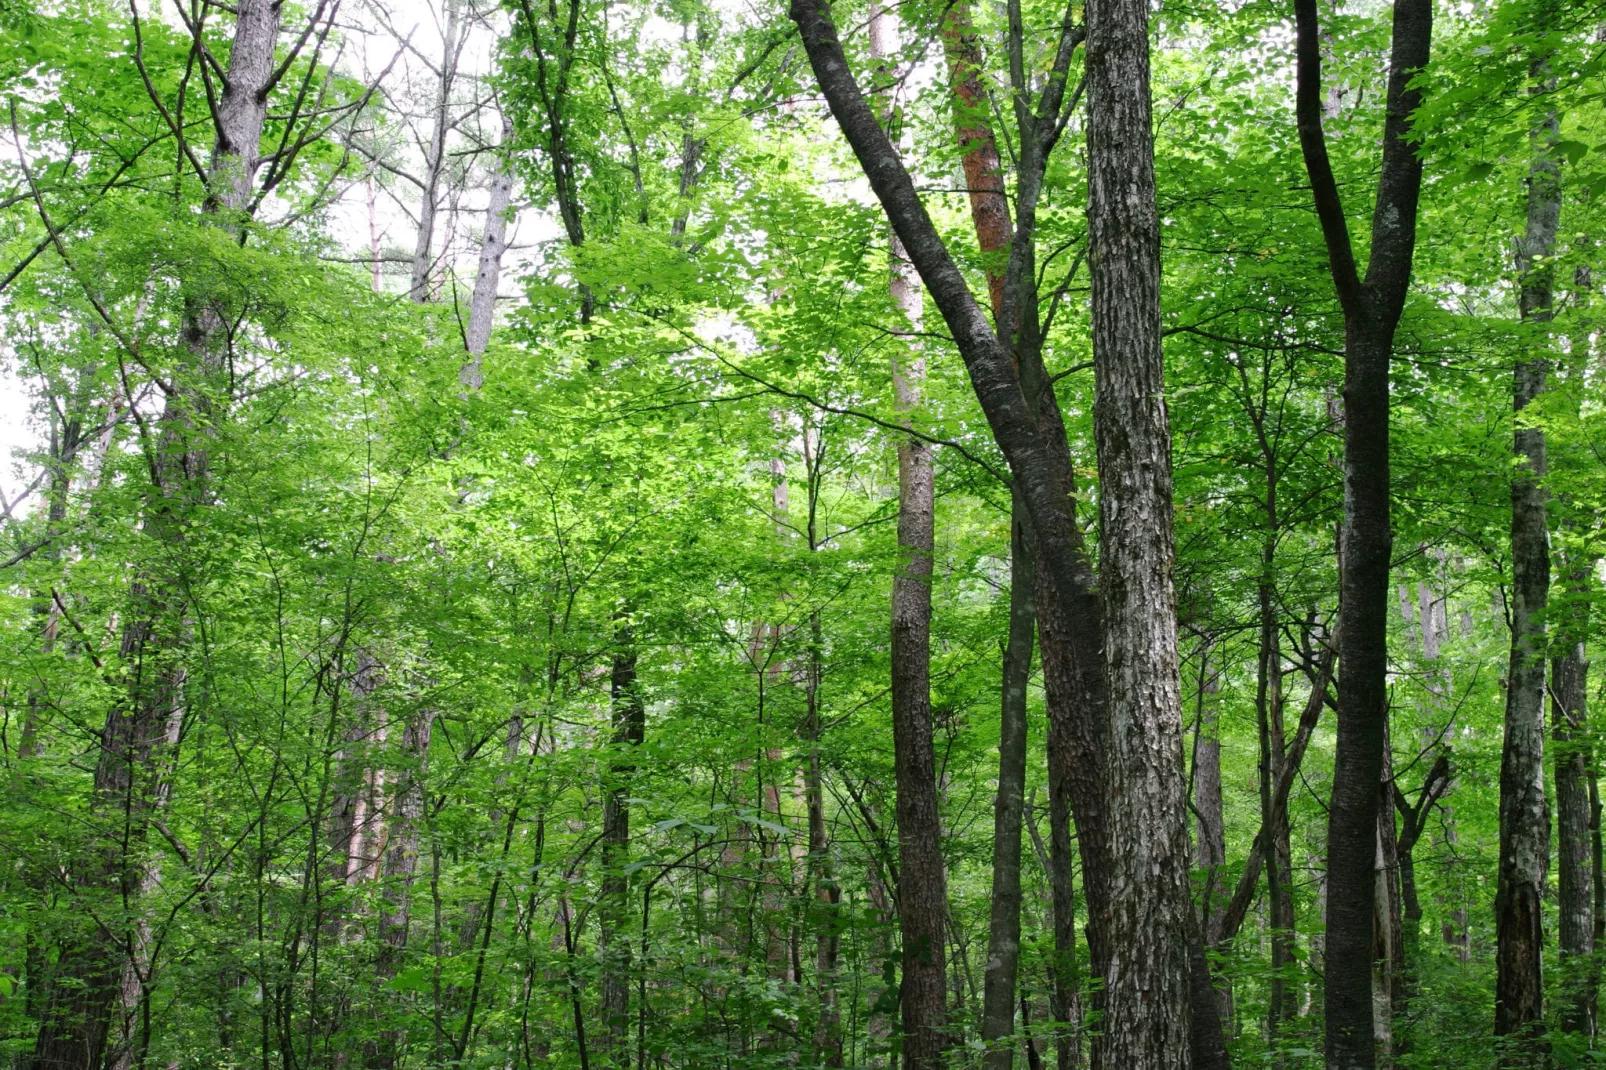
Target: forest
<point x="697" y="534"/>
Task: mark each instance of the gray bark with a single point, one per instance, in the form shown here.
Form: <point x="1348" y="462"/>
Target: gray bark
<point x="1524" y="810"/>
<point x="482" y="305"/>
<point x="1147" y="986"/>
<point x="418" y="287"/>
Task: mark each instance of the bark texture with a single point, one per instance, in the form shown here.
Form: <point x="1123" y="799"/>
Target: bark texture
<point x="922" y="882"/>
<point x="1524" y="810"/>
<point x="1147" y="982"/>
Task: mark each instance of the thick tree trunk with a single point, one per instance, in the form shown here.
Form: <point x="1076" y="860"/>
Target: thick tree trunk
<point x="1034" y="459"/>
<point x="922" y="896"/>
<point x="129" y="777"/>
<point x="1003" y="934"/>
<point x="1147" y="986"/>
<point x="1524" y="811"/>
<point x="1372" y="308"/>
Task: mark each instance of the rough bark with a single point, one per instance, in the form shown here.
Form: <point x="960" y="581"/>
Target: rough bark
<point x="1524" y="810"/>
<point x="922" y="884"/>
<point x="1372" y="306"/>
<point x="1062" y="556"/>
<point x="1147" y="984"/>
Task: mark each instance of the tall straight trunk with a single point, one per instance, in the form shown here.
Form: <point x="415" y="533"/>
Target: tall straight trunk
<point x="1524" y="810"/>
<point x="1038" y="461"/>
<point x="1269" y="716"/>
<point x="629" y="730"/>
<point x="1003" y="929"/>
<point x="1569" y="692"/>
<point x="1210" y="834"/>
<point x="922" y="882"/>
<point x="140" y="729"/>
<point x="990" y="218"/>
<point x="828" y="893"/>
<point x="1575" y="936"/>
<point x="418" y="287"/>
<point x="1372" y="307"/>
<point x="1147" y="991"/>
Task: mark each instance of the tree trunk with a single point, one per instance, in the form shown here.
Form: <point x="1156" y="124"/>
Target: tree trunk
<point x="482" y="306"/>
<point x="828" y="894"/>
<point x="1569" y="671"/>
<point x="76" y="1017"/>
<point x="1372" y="308"/>
<point x="400" y="867"/>
<point x="1003" y="933"/>
<point x="1524" y="811"/>
<point x="1147" y="987"/>
<point x="629" y="730"/>
<point x="418" y="287"/>
<point x="922" y="882"/>
<point x="1269" y="717"/>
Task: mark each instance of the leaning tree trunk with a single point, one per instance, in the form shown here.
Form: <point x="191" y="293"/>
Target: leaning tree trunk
<point x="1013" y="420"/>
<point x="1524" y="811"/>
<point x="1147" y="987"/>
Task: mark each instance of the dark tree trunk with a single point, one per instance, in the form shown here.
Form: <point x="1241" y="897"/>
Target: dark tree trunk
<point x="1372" y="306"/>
<point x="1524" y="810"/>
<point x="1269" y="716"/>
<point x="629" y="730"/>
<point x="1003" y="932"/>
<point x="1034" y="458"/>
<point x="1147" y="986"/>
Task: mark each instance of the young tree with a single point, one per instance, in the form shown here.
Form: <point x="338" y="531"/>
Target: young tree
<point x="1372" y="306"/>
